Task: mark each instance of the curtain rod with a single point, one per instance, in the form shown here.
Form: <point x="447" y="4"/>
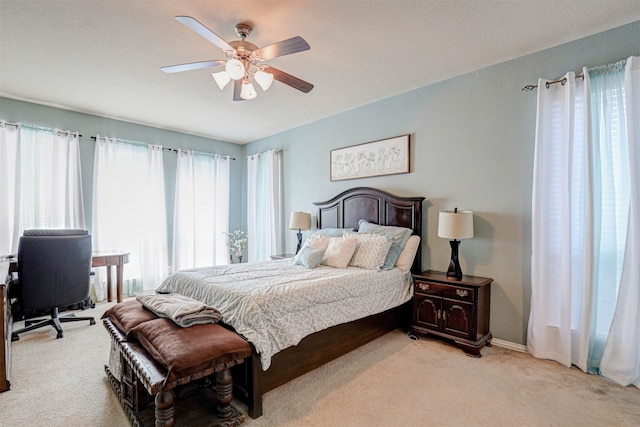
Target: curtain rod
<point x="278" y="152"/>
<point x="24" y="125"/>
<point x="562" y="81"/>
<point x="167" y="148"/>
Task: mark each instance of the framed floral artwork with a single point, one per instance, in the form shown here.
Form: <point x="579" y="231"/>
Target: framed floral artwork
<point x="385" y="157"/>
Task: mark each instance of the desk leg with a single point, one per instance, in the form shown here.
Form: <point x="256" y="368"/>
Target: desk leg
<point x="109" y="295"/>
<point x="119" y="282"/>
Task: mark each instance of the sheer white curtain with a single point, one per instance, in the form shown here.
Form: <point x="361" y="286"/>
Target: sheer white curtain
<point x="264" y="205"/>
<point x="9" y="188"/>
<point x="41" y="181"/>
<point x="580" y="217"/>
<point x="621" y="359"/>
<point x="129" y="211"/>
<point x="51" y="179"/>
<point x="201" y="214"/>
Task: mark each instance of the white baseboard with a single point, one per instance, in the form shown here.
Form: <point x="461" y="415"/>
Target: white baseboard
<point x="510" y="345"/>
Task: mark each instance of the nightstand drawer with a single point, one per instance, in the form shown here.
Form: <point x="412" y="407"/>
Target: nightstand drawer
<point x="446" y="291"/>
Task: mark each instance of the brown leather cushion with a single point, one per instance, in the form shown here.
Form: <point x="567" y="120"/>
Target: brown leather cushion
<point x="128" y="314"/>
<point x="184" y="351"/>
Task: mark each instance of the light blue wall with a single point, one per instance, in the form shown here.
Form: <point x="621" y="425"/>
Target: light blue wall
<point x="88" y="125"/>
<point x="472" y="143"/>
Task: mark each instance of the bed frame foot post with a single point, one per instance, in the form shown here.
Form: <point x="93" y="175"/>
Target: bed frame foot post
<point x="254" y="405"/>
<point x="165" y="409"/>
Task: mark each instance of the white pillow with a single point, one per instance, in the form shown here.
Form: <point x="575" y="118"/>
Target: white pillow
<point x="371" y="251"/>
<point x="405" y="259"/>
<point x="318" y="241"/>
<point x="339" y="251"/>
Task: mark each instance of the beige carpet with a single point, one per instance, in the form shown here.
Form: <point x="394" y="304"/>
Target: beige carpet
<point x="392" y="381"/>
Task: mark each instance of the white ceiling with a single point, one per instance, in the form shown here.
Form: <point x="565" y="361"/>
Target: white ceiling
<point x="104" y="57"/>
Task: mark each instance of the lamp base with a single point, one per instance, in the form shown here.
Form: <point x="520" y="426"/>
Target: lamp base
<point x="299" y="241"/>
<point x="454" y="272"/>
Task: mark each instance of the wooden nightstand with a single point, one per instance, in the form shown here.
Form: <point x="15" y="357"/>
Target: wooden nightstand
<point x="282" y="256"/>
<point x="453" y="309"/>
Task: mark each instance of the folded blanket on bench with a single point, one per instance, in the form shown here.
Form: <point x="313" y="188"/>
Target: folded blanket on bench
<point x="184" y="311"/>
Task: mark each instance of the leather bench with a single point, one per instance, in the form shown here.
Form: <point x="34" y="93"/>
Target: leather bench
<point x="150" y="357"/>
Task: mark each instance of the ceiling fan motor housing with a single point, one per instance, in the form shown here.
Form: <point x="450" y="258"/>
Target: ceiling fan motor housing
<point x="243" y="30"/>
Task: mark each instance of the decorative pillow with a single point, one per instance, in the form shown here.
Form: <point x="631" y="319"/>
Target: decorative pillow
<point x="405" y="260"/>
<point x="333" y="232"/>
<point x="308" y="257"/>
<point x="339" y="251"/>
<point x="371" y="250"/>
<point x="128" y="314"/>
<point x="399" y="236"/>
<point x="316" y="242"/>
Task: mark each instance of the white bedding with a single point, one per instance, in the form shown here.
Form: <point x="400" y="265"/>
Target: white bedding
<point x="275" y="304"/>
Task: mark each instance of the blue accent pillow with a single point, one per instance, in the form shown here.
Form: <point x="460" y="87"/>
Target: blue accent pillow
<point x="398" y="235"/>
<point x="309" y="258"/>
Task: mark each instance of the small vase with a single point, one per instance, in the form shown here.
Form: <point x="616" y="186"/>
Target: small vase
<point x="240" y="259"/>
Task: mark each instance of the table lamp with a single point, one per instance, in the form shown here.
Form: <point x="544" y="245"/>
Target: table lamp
<point x="455" y="225"/>
<point x="299" y="221"/>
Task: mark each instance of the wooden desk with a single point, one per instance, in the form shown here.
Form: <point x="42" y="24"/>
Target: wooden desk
<point x="109" y="259"/>
<point x="5" y="329"/>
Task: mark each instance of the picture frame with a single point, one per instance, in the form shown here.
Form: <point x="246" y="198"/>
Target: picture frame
<point x="377" y="158"/>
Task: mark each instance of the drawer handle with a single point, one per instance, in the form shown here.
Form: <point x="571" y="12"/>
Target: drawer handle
<point x="423" y="286"/>
<point x="462" y="292"/>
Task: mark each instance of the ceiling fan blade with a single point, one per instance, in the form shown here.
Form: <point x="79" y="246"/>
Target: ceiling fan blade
<point x="237" y="88"/>
<point x="288" y="79"/>
<point x="285" y="47"/>
<point x="192" y="66"/>
<point x="205" y="32"/>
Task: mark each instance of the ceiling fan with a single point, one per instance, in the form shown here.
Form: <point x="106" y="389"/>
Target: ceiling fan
<point x="244" y="61"/>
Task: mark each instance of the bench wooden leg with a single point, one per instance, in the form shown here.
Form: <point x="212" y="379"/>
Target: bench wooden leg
<point x="165" y="409"/>
<point x="224" y="394"/>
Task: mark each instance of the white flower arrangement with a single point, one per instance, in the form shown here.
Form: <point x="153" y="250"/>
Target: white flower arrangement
<point x="237" y="242"/>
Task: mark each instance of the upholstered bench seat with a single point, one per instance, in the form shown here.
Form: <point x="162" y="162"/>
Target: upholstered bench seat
<point x="155" y="355"/>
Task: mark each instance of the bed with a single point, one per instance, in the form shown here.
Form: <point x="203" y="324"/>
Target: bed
<point x="276" y="361"/>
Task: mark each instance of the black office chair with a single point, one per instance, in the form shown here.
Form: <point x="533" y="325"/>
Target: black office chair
<point x="53" y="272"/>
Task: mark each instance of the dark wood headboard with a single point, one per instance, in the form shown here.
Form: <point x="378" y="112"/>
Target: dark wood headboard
<point x="375" y="206"/>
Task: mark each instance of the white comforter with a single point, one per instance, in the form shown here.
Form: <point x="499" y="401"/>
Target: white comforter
<point x="275" y="304"/>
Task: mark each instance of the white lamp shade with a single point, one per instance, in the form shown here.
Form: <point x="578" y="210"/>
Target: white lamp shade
<point x="300" y="221"/>
<point x="221" y="78"/>
<point x="235" y="69"/>
<point x="248" y="91"/>
<point x="455" y="225"/>
<point x="264" y="79"/>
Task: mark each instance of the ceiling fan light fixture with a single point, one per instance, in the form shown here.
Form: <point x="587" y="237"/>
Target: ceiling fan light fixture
<point x="248" y="91"/>
<point x="264" y="79"/>
<point x="235" y="69"/>
<point x="222" y="78"/>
